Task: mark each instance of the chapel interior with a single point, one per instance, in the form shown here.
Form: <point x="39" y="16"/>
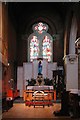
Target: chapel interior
<point x="40" y="58"/>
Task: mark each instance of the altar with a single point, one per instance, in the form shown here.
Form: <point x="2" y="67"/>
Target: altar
<point x="39" y="95"/>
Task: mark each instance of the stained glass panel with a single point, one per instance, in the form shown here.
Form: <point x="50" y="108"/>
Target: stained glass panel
<point x="34" y="48"/>
<point x="47" y="51"/>
<point x="40" y="27"/>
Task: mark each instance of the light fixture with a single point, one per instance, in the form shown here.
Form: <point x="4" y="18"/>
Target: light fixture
<point x="8" y="64"/>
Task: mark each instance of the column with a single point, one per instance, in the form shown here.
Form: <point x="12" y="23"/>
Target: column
<point x="73" y="34"/>
<point x="71" y="60"/>
<point x="71" y="70"/>
<point x="79" y="70"/>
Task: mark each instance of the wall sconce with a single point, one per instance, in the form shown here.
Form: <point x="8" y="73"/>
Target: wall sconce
<point x="11" y="83"/>
<point x="8" y="64"/>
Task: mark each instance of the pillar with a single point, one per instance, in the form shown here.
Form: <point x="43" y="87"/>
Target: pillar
<point x="79" y="70"/>
<point x="71" y="69"/>
<point x="71" y="60"/>
<point x="73" y="34"/>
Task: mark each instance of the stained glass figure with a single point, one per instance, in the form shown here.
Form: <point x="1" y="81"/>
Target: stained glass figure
<point x="34" y="48"/>
<point x="47" y="52"/>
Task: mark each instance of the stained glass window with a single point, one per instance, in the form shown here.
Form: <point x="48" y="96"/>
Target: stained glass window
<point x="40" y="43"/>
<point x="47" y="52"/>
<point x="34" y="48"/>
<point x="40" y="27"/>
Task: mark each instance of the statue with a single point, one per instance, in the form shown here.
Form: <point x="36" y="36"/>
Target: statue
<point x="40" y="68"/>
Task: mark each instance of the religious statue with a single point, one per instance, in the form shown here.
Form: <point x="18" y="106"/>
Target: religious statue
<point x="40" y="68"/>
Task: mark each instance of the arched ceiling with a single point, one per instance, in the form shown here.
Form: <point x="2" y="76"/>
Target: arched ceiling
<point x="25" y="13"/>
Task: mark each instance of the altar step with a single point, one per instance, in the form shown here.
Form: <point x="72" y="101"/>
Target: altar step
<point x="39" y="103"/>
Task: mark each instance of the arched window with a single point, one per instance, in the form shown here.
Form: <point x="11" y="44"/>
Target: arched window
<point x="40" y="43"/>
